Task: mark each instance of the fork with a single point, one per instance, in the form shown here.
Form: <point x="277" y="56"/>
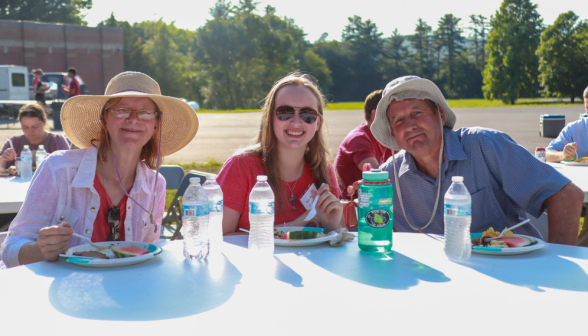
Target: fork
<point x="88" y="239"/>
<point x="312" y="212"/>
<point x="509" y="229"/>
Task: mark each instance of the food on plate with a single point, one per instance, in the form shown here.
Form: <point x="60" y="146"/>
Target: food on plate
<point x="582" y="159"/>
<point x="127" y="252"/>
<point x="517" y="241"/>
<point x="92" y="254"/>
<point x="298" y="235"/>
<point x="506" y="241"/>
<point x="278" y="234"/>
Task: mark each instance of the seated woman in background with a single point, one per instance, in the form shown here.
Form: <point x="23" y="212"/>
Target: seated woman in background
<point x="291" y="150"/>
<point x="33" y="122"/>
<point x="109" y="189"/>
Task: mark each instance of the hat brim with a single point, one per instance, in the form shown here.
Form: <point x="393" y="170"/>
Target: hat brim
<point x="80" y="117"/>
<point x="381" y="126"/>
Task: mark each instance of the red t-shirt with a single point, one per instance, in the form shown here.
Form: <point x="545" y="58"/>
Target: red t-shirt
<point x="357" y="146"/>
<point x="239" y="175"/>
<point x="101" y="227"/>
<point x="74" y="88"/>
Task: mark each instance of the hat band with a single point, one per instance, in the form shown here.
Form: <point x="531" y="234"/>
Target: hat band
<point x="126" y="90"/>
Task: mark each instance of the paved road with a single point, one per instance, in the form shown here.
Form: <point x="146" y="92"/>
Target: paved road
<point x="221" y="134"/>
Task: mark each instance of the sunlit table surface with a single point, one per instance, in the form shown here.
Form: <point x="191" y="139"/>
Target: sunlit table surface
<point x="577" y="174"/>
<point x="319" y="290"/>
<point x="12" y="193"/>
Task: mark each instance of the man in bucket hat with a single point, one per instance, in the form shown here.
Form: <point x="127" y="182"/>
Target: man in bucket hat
<point x="502" y="177"/>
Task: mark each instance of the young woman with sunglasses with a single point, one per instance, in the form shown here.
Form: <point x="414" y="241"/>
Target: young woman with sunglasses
<point x="109" y="189"/>
<point x="291" y="150"/>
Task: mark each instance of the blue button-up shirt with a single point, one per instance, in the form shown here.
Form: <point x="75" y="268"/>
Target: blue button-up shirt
<point x="501" y="176"/>
<point x="577" y="132"/>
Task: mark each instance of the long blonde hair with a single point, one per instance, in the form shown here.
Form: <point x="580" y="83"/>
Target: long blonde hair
<point x="265" y="144"/>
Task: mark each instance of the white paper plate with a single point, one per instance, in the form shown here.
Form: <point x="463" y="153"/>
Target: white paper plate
<point x="572" y="163"/>
<point x="510" y="250"/>
<point x="301" y="242"/>
<point x="113" y="262"/>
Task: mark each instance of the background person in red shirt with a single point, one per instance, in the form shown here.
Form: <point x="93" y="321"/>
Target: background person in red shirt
<point x="291" y="150"/>
<point x="360" y="147"/>
<point x="74" y="86"/>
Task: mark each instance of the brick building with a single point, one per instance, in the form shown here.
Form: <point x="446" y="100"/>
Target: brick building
<point x="95" y="52"/>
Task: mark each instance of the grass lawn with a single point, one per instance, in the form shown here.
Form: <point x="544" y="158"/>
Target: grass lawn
<point x="456" y="103"/>
<point x="210" y="166"/>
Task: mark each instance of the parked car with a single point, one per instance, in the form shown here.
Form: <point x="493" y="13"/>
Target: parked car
<point x="55" y="80"/>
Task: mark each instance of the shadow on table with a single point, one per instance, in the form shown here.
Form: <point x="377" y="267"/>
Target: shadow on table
<point x="148" y="291"/>
<point x="393" y="270"/>
<point x="536" y="270"/>
<point x="279" y="270"/>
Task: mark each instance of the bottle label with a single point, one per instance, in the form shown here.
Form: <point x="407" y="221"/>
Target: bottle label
<point x="26" y="158"/>
<point x="364" y="199"/>
<point x="259" y="208"/>
<point x="215" y="206"/>
<point x="458" y="210"/>
<point x="377" y="218"/>
<point x="194" y="210"/>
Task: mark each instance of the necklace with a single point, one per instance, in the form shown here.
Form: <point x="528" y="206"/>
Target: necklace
<point x="292" y="198"/>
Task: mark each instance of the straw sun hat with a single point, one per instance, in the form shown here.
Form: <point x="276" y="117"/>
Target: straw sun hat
<point x="407" y="87"/>
<point x="80" y="115"/>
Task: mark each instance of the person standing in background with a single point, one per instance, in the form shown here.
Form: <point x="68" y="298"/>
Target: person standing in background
<point x="39" y="88"/>
<point x="360" y="147"/>
<point x="74" y="86"/>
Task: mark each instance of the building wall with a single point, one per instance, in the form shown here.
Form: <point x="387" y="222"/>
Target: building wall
<point x="95" y="52"/>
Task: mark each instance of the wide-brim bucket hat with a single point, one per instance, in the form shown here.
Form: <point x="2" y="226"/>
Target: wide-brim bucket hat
<point x="407" y="87"/>
<point x="80" y="115"/>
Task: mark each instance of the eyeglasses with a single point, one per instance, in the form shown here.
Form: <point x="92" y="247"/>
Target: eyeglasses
<point x="113" y="220"/>
<point x="123" y="113"/>
<point x="307" y="114"/>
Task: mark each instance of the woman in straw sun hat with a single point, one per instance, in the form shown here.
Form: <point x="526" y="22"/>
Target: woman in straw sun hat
<point x="107" y="190"/>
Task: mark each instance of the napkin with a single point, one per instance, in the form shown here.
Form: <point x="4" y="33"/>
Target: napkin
<point x="343" y="235"/>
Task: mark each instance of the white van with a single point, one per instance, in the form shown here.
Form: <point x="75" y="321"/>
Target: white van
<point x="14" y="82"/>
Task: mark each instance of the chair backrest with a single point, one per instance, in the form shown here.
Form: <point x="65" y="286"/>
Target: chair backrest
<point x="186" y="181"/>
<point x="3" y="236"/>
<point x="173" y="175"/>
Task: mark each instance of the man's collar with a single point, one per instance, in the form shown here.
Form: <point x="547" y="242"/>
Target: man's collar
<point x="453" y="151"/>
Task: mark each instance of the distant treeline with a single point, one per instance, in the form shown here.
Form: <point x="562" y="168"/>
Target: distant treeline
<point x="233" y="60"/>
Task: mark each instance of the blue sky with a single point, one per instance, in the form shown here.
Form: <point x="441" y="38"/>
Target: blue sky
<point x="319" y="16"/>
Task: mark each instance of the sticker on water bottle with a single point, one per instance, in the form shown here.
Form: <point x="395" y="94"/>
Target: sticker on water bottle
<point x="258" y="208"/>
<point x="458" y="210"/>
<point x="377" y="218"/>
<point x="364" y="199"/>
<point x="215" y="206"/>
<point x="195" y="210"/>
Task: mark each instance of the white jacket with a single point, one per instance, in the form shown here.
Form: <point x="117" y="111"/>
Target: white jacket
<point x="62" y="190"/>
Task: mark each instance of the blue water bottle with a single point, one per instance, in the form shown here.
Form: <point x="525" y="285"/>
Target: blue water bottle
<point x="375" y="212"/>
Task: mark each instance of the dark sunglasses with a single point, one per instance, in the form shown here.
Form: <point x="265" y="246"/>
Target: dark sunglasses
<point x="113" y="220"/>
<point x="307" y="114"/>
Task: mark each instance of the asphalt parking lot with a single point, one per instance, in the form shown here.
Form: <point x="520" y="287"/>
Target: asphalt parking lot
<point x="221" y="134"/>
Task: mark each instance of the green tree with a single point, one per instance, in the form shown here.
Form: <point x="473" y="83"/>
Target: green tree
<point x="512" y="64"/>
<point x="397" y="56"/>
<point x="422" y="43"/>
<point x="59" y="11"/>
<point x="450" y="41"/>
<point x="221" y="9"/>
<point x="365" y="46"/>
<point x="479" y="37"/>
<point x="318" y="67"/>
<point x="338" y="59"/>
<point x="247" y="6"/>
<point x="562" y="57"/>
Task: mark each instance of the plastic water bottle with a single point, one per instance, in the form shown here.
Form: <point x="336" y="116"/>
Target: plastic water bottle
<point x="41" y="155"/>
<point x="261" y="218"/>
<point x="26" y="163"/>
<point x="458" y="218"/>
<point x="195" y="221"/>
<point x="215" y="218"/>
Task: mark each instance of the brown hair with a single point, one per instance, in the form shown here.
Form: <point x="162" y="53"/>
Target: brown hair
<point x="149" y="151"/>
<point x="586" y="92"/>
<point x="371" y="103"/>
<point x="32" y="111"/>
<point x="37" y="71"/>
<point x="265" y="144"/>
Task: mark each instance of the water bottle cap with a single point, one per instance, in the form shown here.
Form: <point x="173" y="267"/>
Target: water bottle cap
<point x="41" y="147"/>
<point x="26" y="147"/>
<point x="457" y="178"/>
<point x="261" y="178"/>
<point x="211" y="176"/>
<point x="375" y="175"/>
<point x="195" y="180"/>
